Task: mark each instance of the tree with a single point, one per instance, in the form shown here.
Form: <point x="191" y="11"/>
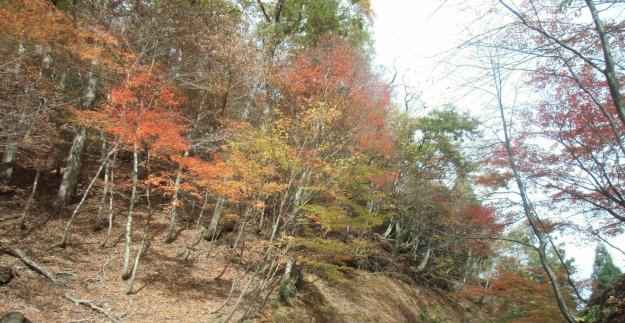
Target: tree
<point x="37" y="41"/>
<point x="143" y="114"/>
<point x="516" y="287"/>
<point x="604" y="270"/>
<point x="298" y="24"/>
<point x="570" y="145"/>
<point x="574" y="58"/>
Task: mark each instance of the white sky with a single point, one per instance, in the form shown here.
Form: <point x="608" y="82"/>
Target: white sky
<point x="413" y="36"/>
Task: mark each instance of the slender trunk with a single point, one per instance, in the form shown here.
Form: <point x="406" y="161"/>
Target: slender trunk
<point x="287" y="269"/>
<point x="247" y="213"/>
<point x="70" y="176"/>
<point x="169" y="237"/>
<point x="398" y="238"/>
<point x="145" y="243"/>
<point x="609" y="71"/>
<point x="127" y="248"/>
<point x="425" y="259"/>
<point x="82" y="200"/>
<point x="92" y="82"/>
<point x="72" y="170"/>
<point x="240" y="298"/>
<point x="199" y="218"/>
<point x="31" y="198"/>
<point x="532" y="219"/>
<point x="389" y="229"/>
<point x="235" y="282"/>
<point x="212" y="228"/>
<point x="111" y="195"/>
<point x="6" y="168"/>
<point x="104" y="160"/>
<point x="98" y="218"/>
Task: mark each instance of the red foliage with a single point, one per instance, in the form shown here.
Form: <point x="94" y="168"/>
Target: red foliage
<point x="481" y="215"/>
<point x="142" y="111"/>
<point x="338" y="75"/>
<point x="384" y="179"/>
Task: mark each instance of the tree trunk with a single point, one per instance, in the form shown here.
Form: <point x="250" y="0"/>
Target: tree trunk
<point x="145" y="243"/>
<point x="82" y="201"/>
<point x="111" y="195"/>
<point x="528" y="210"/>
<point x="6" y="168"/>
<point x="398" y="238"/>
<point x="103" y="159"/>
<point x="609" y="71"/>
<point x="31" y="198"/>
<point x="212" y="228"/>
<point x="72" y="170"/>
<point x="126" y="270"/>
<point x="199" y="218"/>
<point x="169" y="237"/>
<point x="425" y="259"/>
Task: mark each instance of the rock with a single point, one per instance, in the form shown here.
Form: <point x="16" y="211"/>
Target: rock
<point x="14" y="317"/>
<point x="6" y="274"/>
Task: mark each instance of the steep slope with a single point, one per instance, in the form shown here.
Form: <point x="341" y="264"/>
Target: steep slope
<point x="171" y="288"/>
<point x="366" y="297"/>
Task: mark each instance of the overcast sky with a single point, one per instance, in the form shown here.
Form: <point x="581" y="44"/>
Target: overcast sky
<point x="412" y="37"/>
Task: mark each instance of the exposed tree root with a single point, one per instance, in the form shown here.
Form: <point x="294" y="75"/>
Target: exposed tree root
<point x="16" y="252"/>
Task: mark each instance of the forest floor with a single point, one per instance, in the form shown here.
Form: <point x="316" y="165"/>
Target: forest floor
<point x="170" y="288"/>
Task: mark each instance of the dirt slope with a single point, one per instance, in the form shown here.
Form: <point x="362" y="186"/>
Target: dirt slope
<point x="366" y="297"/>
<point x="171" y="289"/>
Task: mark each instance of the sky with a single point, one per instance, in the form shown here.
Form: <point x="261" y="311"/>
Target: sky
<point x="411" y="38"/>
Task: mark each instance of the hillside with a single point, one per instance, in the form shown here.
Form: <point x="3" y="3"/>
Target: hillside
<point x="170" y="288"/>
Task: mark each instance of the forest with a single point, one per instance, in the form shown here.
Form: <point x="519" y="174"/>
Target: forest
<point x="215" y="160"/>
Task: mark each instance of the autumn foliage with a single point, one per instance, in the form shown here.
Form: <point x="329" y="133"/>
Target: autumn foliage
<point x="194" y="113"/>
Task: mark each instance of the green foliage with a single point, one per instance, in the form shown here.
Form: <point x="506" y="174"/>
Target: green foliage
<point x="604" y="270"/>
<point x="597" y="313"/>
<point x="442" y="132"/>
<point x="328" y="271"/>
<point x="287" y="290"/>
<point x="64" y="4"/>
<point x="301" y="23"/>
<point x="432" y="314"/>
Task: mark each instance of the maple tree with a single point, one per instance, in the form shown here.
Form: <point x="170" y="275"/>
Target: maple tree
<point x="566" y="144"/>
<point x="516" y="288"/>
<point x="580" y="116"/>
<point x="144" y="115"/>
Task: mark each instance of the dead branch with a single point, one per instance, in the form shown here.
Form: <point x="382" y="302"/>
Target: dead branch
<point x="16" y="252"/>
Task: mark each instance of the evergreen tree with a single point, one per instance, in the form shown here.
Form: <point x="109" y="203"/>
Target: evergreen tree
<point x="604" y="270"/>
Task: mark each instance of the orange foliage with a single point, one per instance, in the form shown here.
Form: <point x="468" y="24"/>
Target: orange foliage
<point x="142" y="111"/>
<point x="38" y="22"/>
<point x="520" y="298"/>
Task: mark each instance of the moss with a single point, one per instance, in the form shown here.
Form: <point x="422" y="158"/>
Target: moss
<point x="330" y="272"/>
